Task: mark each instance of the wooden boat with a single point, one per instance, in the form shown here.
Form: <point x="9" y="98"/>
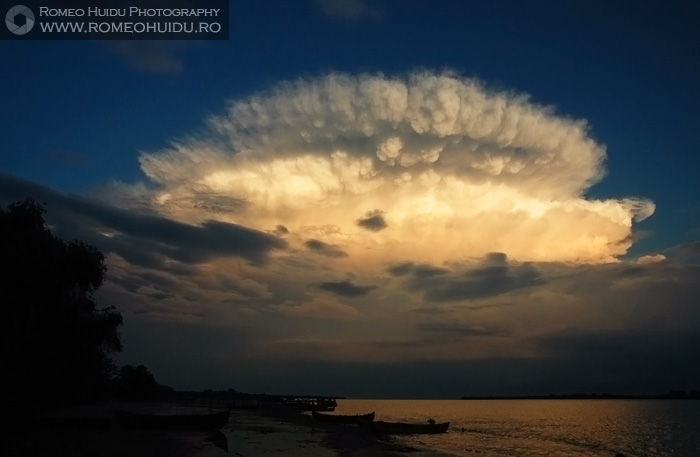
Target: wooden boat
<point x="404" y="428"/>
<point x="208" y="421"/>
<point x="342" y="419"/>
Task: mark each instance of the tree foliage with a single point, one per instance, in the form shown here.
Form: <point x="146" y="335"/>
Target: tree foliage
<point x="137" y="383"/>
<point x="55" y="342"/>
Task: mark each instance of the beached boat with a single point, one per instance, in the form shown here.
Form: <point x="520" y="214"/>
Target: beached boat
<point x="404" y="428"/>
<point x="208" y="421"/>
<point x="343" y="419"/>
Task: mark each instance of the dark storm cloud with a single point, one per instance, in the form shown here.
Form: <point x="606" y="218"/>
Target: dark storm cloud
<point x="150" y="283"/>
<point x="417" y="270"/>
<point x="281" y="230"/>
<point x="428" y="271"/>
<point x="129" y="283"/>
<point x="328" y="250"/>
<point x="144" y="239"/>
<point x="373" y="220"/>
<point x="603" y="344"/>
<point x="344" y="288"/>
<point x="631" y="346"/>
<point x="457" y="330"/>
<point x="631" y="272"/>
<point x="175" y="240"/>
<point x="487" y="282"/>
<point x="491" y="277"/>
<point x="401" y="269"/>
<point x="686" y="253"/>
<point x="693" y="248"/>
<point x="626" y="358"/>
<point x="624" y="364"/>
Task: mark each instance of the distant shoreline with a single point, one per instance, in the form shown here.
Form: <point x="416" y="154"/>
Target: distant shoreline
<point x="673" y="395"/>
<point x="224" y="397"/>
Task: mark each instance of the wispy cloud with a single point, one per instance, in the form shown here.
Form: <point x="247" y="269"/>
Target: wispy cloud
<point x="150" y="56"/>
<point x="322" y="248"/>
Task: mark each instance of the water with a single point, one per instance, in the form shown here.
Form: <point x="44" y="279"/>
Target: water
<point x="536" y="428"/>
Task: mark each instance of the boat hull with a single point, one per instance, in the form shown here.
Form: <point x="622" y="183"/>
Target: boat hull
<point x="403" y="428"/>
<point x="343" y="419"/>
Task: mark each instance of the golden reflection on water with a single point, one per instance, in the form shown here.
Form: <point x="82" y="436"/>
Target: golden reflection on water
<point x="533" y="428"/>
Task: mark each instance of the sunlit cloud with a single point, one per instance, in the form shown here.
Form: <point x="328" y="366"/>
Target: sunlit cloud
<point x="648" y="259"/>
<point x="371" y="163"/>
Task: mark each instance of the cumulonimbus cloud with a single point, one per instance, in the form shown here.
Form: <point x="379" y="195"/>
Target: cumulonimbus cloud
<point x="453" y="168"/>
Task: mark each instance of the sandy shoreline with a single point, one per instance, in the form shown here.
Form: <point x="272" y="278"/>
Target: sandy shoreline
<point x="249" y="433"/>
<point x="285" y="433"/>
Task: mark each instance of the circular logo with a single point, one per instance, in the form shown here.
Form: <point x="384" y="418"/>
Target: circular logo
<point x="19" y="20"/>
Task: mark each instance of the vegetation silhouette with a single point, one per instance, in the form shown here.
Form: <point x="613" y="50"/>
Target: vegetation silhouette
<point x="138" y="384"/>
<point x="55" y="343"/>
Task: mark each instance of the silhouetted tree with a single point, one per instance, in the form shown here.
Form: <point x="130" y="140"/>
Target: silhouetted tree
<point x="55" y="343"/>
<point x="137" y="383"/>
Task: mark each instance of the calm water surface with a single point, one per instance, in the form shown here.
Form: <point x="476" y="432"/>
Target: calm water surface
<point x="534" y="428"/>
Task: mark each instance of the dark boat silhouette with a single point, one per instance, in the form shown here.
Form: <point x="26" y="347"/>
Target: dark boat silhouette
<point x="404" y="428"/>
<point x="343" y="419"/>
<point x="207" y="421"/>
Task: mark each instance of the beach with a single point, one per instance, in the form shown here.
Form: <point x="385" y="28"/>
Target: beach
<point x="257" y="432"/>
<point x="82" y="441"/>
<point x="527" y="428"/>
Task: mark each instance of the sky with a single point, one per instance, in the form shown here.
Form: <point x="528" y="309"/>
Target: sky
<point x="383" y="198"/>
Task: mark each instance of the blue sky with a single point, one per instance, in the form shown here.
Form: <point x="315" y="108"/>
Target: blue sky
<point x="111" y="125"/>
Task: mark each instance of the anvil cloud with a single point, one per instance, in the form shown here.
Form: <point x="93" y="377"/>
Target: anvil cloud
<point x="367" y="163"/>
